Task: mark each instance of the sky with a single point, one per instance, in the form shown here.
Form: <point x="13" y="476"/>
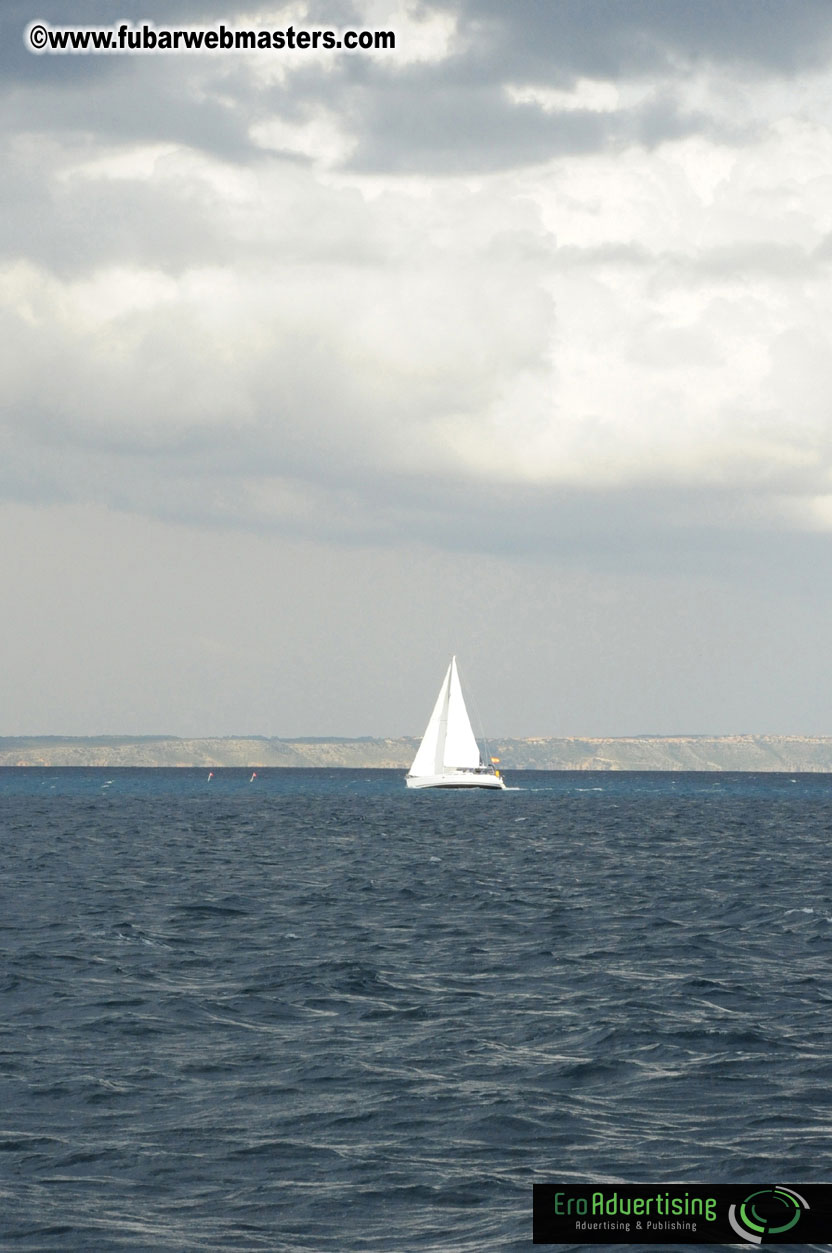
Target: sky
<point x="513" y="341"/>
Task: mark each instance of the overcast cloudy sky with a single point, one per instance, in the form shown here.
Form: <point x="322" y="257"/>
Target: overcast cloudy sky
<point x="514" y="341"/>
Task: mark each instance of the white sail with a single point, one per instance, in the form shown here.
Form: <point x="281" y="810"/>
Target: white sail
<point x="449" y="755"/>
<point x="430" y="757"/>
<point x="461" y="748"/>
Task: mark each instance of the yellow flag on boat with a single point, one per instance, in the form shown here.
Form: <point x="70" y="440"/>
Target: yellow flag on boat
<point x="495" y="761"/>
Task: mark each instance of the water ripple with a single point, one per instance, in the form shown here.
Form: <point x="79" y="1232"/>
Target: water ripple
<point x="326" y="1013"/>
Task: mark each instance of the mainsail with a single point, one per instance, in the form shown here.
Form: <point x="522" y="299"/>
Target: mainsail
<point x="449" y="741"/>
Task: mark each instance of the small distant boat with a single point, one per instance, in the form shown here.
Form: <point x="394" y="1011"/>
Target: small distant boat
<point x="449" y="755"/>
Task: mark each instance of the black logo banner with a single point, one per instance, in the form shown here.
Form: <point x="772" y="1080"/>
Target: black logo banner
<point x="682" y="1213"/>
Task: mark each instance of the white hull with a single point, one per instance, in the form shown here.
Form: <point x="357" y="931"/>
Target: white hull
<point x="458" y="779"/>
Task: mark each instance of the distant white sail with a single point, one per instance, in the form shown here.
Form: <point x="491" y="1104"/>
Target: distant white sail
<point x="461" y="748"/>
<point x="430" y="757"/>
<point x="449" y="755"/>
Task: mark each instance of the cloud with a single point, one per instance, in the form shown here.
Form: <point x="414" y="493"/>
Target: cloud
<point x="574" y="297"/>
<point x="470" y="86"/>
<point x="521" y="84"/>
<point x="604" y="38"/>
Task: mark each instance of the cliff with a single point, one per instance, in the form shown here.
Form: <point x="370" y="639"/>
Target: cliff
<point x="792" y="754"/>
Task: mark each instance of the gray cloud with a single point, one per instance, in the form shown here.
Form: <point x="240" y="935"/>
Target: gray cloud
<point x="550" y="370"/>
<point x="226" y="334"/>
<point x="607" y="38"/>
<point x="455" y="114"/>
<point x="435" y="116"/>
<point x="430" y="125"/>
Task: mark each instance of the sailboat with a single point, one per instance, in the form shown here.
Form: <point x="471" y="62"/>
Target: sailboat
<point x="449" y="755"/>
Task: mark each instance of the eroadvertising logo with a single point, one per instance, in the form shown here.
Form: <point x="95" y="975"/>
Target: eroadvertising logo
<point x="767" y="1212"/>
<point x="689" y="1213"/>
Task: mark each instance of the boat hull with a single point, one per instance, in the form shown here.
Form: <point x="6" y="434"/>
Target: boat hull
<point x="458" y="779"/>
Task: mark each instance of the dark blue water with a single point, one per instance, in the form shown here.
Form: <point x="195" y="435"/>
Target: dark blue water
<point x="320" y="1012"/>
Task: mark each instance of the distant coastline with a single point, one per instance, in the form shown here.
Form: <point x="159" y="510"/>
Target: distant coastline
<point x="796" y="754"/>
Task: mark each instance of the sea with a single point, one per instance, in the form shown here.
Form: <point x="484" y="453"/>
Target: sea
<point x="311" y="1010"/>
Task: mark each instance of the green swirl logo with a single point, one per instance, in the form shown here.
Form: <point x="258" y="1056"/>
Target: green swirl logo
<point x="769" y="1212"/>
